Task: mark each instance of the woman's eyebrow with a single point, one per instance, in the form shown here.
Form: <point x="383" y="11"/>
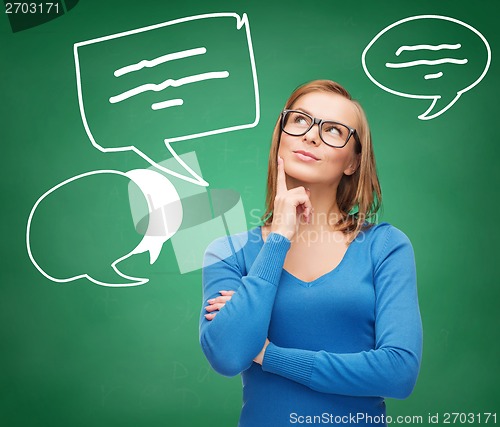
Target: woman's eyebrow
<point x="311" y="114"/>
<point x="304" y="110"/>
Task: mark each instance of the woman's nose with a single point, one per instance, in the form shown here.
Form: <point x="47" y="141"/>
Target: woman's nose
<point x="312" y="135"/>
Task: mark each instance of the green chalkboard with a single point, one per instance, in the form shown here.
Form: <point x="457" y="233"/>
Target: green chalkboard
<point x="90" y="341"/>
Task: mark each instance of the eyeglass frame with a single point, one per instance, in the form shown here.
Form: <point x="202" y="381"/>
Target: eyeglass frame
<point x="352" y="131"/>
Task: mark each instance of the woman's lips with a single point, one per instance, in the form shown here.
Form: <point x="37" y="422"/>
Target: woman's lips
<point x="305" y="156"/>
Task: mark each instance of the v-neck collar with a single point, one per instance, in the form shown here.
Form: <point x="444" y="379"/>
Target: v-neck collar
<point x="323" y="276"/>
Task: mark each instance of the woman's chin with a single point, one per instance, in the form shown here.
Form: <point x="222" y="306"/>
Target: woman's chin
<point x="303" y="173"/>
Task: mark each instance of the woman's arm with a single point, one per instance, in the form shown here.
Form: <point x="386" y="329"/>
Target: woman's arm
<point x="236" y="335"/>
<point x="391" y="369"/>
<point x="233" y="338"/>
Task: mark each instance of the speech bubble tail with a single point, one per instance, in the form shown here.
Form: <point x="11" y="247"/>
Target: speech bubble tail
<point x="198" y="178"/>
<point x="155" y="250"/>
<point x="151" y="244"/>
<point x="113" y="277"/>
<point x="194" y="178"/>
<point x="443" y="104"/>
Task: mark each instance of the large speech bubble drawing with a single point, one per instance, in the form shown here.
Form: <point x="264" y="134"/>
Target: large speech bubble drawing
<point x="144" y="89"/>
<point x="86" y="251"/>
<point x="428" y="57"/>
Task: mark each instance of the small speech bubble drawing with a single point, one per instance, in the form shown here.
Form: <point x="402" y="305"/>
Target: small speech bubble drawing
<point x="84" y="217"/>
<point x="428" y="57"/>
<point x="144" y="89"/>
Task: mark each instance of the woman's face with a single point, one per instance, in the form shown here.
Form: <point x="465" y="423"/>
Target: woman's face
<point x="327" y="164"/>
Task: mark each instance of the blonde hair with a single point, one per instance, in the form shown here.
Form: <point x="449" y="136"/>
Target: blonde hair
<point x="358" y="195"/>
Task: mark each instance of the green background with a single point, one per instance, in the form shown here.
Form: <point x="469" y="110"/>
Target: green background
<point x="79" y="354"/>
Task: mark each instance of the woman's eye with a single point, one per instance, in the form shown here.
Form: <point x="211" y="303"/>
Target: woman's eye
<point x="301" y="120"/>
<point x="332" y="130"/>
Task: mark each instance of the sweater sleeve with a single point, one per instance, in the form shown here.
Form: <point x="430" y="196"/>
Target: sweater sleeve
<point x="391" y="368"/>
<point x="237" y="333"/>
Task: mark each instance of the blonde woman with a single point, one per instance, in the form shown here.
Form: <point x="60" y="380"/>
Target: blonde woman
<point x="317" y="309"/>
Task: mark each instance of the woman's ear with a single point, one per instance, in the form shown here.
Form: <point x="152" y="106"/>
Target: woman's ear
<point x="354" y="165"/>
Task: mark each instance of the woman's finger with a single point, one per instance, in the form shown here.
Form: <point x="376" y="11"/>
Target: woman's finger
<point x="221" y="299"/>
<point x="308" y="209"/>
<point x="214" y="307"/>
<point x="210" y="316"/>
<point x="301" y="201"/>
<point x="281" y="178"/>
<point x="231" y="293"/>
<point x="307" y="205"/>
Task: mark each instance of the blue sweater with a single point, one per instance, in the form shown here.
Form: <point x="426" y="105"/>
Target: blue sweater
<point x="339" y="344"/>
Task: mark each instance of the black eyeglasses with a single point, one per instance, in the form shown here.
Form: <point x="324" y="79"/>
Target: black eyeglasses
<point x="334" y="134"/>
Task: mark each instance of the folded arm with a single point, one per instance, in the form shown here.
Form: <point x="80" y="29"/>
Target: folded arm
<point x="233" y="338"/>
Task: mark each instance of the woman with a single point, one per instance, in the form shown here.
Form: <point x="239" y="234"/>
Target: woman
<point x="317" y="309"/>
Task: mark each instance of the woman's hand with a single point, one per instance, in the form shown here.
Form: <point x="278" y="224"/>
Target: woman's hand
<point x="289" y="205"/>
<point x="215" y="304"/>
<point x="260" y="357"/>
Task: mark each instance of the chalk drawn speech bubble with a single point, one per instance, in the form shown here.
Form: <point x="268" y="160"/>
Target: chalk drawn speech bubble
<point x="76" y="229"/>
<point x="144" y="89"/>
<point x="428" y="57"/>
